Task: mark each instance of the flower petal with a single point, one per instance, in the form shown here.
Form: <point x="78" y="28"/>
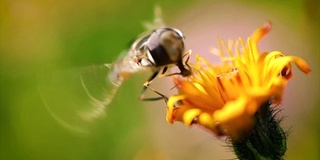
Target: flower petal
<point x="171" y="106"/>
<point x="190" y="115"/>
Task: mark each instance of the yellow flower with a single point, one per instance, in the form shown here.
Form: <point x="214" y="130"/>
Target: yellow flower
<point x="224" y="98"/>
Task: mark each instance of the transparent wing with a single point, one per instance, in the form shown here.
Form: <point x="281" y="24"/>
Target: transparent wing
<point x="75" y="97"/>
<point x="157" y="21"/>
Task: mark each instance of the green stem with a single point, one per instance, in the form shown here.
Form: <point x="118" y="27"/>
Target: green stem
<point x="266" y="141"/>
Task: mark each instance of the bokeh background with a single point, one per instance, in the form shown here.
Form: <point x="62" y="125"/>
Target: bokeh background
<point x="38" y="38"/>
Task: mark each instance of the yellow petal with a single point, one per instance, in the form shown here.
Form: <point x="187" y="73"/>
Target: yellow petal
<point x="261" y="32"/>
<point x="234" y="117"/>
<point x="171" y="105"/>
<point x="301" y="64"/>
<point x="189" y="116"/>
<point x="205" y="119"/>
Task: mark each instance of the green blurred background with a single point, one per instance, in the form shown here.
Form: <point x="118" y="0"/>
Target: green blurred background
<point x="40" y="37"/>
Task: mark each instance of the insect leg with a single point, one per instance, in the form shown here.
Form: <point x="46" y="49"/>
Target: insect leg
<point x="183" y="71"/>
<point x="164" y="70"/>
<point x="146" y="86"/>
<point x="156" y="98"/>
<point x="188" y="54"/>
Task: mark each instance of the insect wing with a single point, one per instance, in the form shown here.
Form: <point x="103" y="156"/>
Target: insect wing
<point x="76" y="97"/>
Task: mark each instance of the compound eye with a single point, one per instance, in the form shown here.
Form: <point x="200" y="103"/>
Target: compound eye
<point x="166" y="46"/>
<point x="173" y="43"/>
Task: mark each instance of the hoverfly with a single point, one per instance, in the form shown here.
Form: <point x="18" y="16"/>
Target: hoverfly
<point x="155" y="51"/>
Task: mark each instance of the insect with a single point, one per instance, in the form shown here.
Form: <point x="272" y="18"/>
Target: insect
<point x="154" y="51"/>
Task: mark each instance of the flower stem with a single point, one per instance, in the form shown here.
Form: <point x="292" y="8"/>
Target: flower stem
<point x="266" y="141"/>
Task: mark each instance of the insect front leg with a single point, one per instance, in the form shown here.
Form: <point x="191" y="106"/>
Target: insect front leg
<point x="183" y="70"/>
<point x="146" y="86"/>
